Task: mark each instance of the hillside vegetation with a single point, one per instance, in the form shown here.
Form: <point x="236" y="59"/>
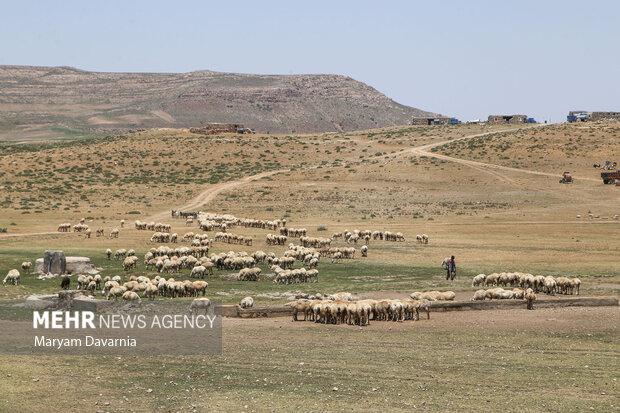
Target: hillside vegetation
<point x="39" y="103"/>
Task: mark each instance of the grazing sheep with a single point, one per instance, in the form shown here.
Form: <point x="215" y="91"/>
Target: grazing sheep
<point x="427" y="295"/>
<point x="549" y="285"/>
<point x="97" y="279"/>
<point x="116" y="292"/>
<point x="337" y="257"/>
<point x="130" y="263"/>
<point x="114" y="233"/>
<point x="492" y="279"/>
<point x="478" y="280"/>
<point x="364" y="250"/>
<point x="11" y="278"/>
<point x="64" y="227"/>
<point x="301" y="306"/>
<point x="530" y="297"/>
<point x="342" y="296"/>
<point x="575" y="284"/>
<point x="122" y="253"/>
<point x="200" y="304"/>
<point x="249" y="274"/>
<point x="445" y="296"/>
<point x="247" y="302"/>
<point x="122" y="223"/>
<point x="200" y="287"/>
<point x="434" y="295"/>
<point x="479" y="295"/>
<point x="150" y="291"/>
<point x="132" y="297"/>
<point x="198" y="271"/>
<point x="108" y="252"/>
<point x="26" y="266"/>
<point x="82" y="283"/>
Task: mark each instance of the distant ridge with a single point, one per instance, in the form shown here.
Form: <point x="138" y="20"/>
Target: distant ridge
<point x="38" y="99"/>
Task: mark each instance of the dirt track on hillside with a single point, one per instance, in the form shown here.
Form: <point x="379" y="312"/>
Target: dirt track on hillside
<point x="210" y="193"/>
<point x="425" y="150"/>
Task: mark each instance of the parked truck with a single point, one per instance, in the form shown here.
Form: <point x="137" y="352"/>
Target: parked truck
<point x="611" y="177"/>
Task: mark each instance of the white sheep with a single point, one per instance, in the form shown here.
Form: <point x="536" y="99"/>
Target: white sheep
<point x="197" y="304"/>
<point x="478" y="280"/>
<point x="198" y="271"/>
<point x="116" y="292"/>
<point x="26" y="266"/>
<point x="150" y="291"/>
<point x="12" y="278"/>
<point x="530" y="297"/>
<point x="479" y="295"/>
<point x="247" y="302"/>
<point x="132" y="297"/>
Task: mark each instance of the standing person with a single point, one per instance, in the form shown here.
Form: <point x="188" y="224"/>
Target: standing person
<point x="451" y="269"/>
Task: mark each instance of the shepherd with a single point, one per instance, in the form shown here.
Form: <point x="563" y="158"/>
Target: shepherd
<point x="450" y="265"/>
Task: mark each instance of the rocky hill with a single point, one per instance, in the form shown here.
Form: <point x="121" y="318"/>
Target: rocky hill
<point x="41" y="101"/>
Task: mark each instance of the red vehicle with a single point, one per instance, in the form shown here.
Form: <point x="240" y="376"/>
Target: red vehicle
<point x="567" y="178"/>
<point x="611" y="177"/>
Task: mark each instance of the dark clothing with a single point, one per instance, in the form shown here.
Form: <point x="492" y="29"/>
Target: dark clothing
<point x="450" y="270"/>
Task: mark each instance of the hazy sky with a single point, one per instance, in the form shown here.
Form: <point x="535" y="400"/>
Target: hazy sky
<point x="462" y="58"/>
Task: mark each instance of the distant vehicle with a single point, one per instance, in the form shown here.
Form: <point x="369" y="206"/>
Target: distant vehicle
<point x="245" y="130"/>
<point x="578" y="117"/>
<point x="611" y="177"/>
<point x="530" y="120"/>
<point x="567" y="178"/>
<point x="454" y="121"/>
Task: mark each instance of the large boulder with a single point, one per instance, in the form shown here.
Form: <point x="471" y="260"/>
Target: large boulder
<point x="80" y="265"/>
<point x="54" y="262"/>
<point x="66" y="297"/>
<point x="91" y="304"/>
<point x="72" y="265"/>
<point x="38" y="265"/>
<point x="41" y="302"/>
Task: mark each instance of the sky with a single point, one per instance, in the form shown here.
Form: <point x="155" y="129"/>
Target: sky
<point x="466" y="59"/>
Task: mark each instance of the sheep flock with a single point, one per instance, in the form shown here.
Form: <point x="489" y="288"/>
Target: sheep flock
<point x="196" y="261"/>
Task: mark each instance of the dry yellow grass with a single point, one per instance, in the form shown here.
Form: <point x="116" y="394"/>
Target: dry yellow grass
<point x="491" y="219"/>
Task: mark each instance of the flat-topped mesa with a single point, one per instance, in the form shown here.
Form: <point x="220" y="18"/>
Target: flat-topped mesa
<point x="62" y="97"/>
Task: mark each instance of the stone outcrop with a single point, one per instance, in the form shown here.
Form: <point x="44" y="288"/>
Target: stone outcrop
<point x="71" y="265"/>
<point x="123" y="102"/>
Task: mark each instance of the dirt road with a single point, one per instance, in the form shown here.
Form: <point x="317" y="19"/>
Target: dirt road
<point x="208" y="194"/>
<point x="30" y="234"/>
<point x="425" y="150"/>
